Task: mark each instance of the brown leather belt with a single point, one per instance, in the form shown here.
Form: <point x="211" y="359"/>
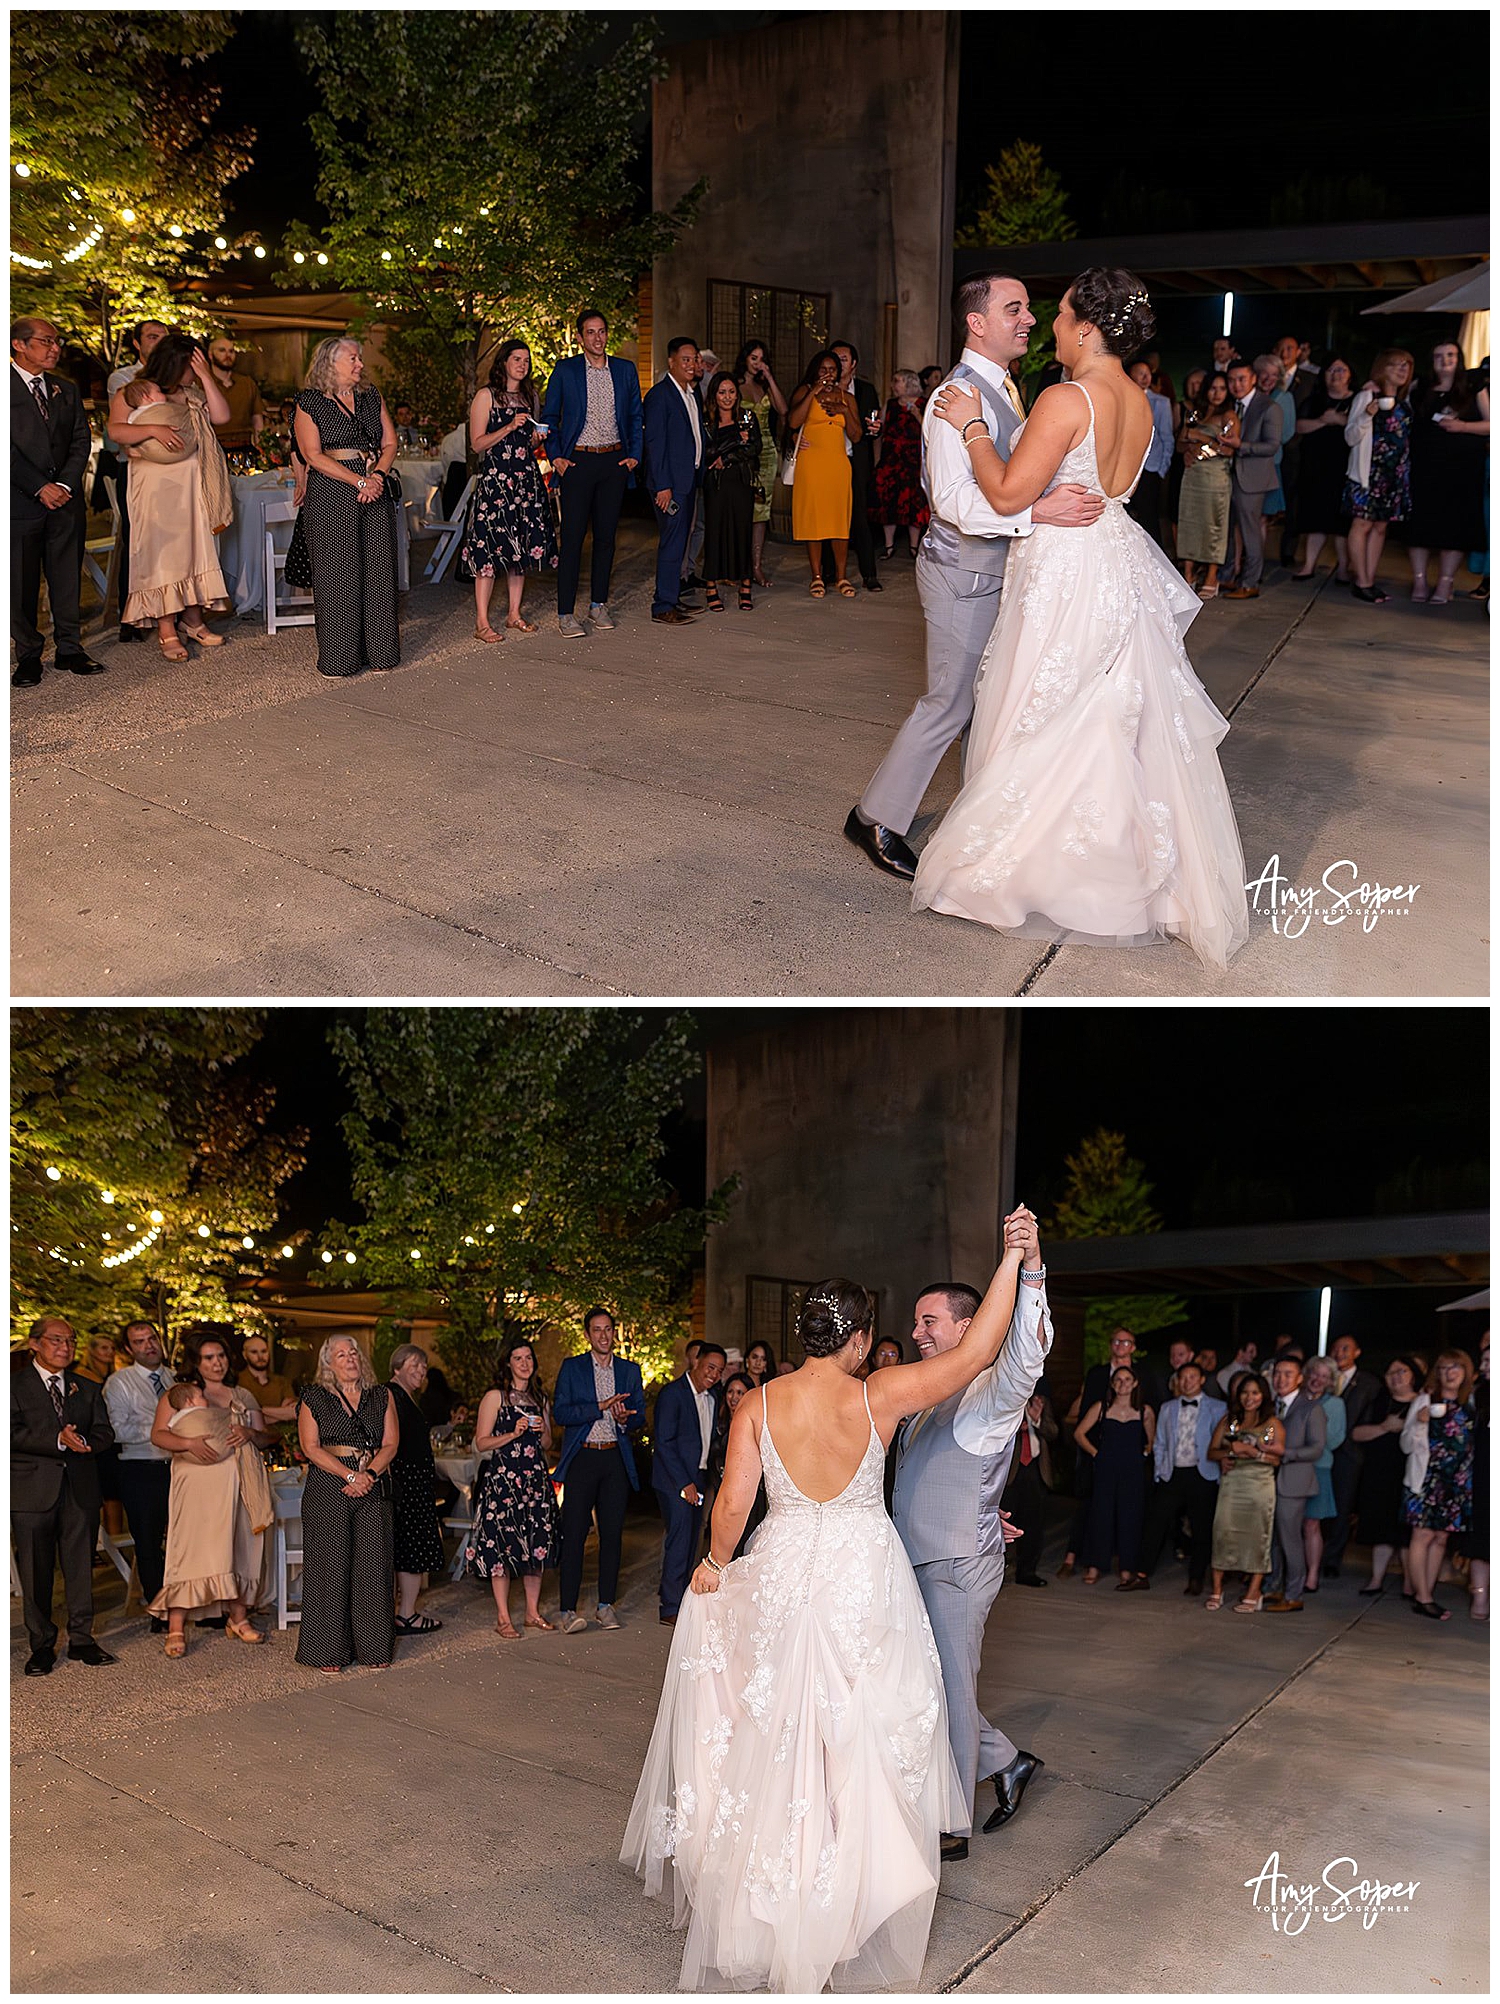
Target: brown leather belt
<point x="616" y="447"/>
<point x="602" y="1446"/>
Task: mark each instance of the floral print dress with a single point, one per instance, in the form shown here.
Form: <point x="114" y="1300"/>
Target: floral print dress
<point x="1447" y="1499"/>
<point x="1388" y="496"/>
<point x="511" y="524"/>
<point x="515" y="1508"/>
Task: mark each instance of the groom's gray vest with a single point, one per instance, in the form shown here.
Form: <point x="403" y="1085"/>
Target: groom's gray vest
<point x="953" y="548"/>
<point x="947" y="1501"/>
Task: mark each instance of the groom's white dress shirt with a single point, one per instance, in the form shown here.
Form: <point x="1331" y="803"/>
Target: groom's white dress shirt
<point x="951" y="487"/>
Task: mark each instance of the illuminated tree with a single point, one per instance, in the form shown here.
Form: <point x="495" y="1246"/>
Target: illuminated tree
<point x="508" y="1163"/>
<point x="144" y="1165"/>
<point x="114" y="148"/>
<point x="1107" y="1196"/>
<point x="477" y="167"/>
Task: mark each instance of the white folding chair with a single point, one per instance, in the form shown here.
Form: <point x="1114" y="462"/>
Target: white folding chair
<point x="278" y="612"/>
<point x="288" y="1503"/>
<point x="450" y="535"/>
<point x="102" y="577"/>
<point x="114" y="1549"/>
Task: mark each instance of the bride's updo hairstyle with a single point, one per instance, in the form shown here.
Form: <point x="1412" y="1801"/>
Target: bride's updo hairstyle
<point x="1115" y="301"/>
<point x="832" y="1312"/>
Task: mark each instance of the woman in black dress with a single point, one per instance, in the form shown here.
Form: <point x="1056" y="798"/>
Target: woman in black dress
<point x="1121" y="1456"/>
<point x="1382" y="1475"/>
<point x="1323" y="457"/>
<point x="347" y="1429"/>
<point x="419" y="1541"/>
<point x="515" y="1505"/>
<point x="1449" y="457"/>
<point x="760" y="1365"/>
<point x="731" y="468"/>
<point x="511" y="523"/>
<point x="1475" y="1543"/>
<point x="345" y="436"/>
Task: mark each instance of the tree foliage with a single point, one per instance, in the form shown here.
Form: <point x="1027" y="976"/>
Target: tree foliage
<point x="157" y="1107"/>
<point x="477" y="167"/>
<point x="1024" y="201"/>
<point x="110" y="113"/>
<point x="509" y="1162"/>
<point x="1107" y="1196"/>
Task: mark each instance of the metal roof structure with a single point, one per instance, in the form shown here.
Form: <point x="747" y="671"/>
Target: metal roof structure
<point x="1312" y="257"/>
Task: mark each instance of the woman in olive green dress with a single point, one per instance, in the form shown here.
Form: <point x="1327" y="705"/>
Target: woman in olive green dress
<point x="761" y="392"/>
<point x="1203" y="440"/>
<point x="1248" y="1444"/>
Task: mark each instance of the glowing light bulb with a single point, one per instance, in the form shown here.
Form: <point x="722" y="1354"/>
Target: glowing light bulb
<point x="489" y="1228"/>
<point x="298" y="258"/>
<point x="385" y="257"/>
<point x="515" y="1210"/>
<point x="127" y="215"/>
<point x="23" y="170"/>
<point x="155" y="1217"/>
<point x="348" y="1259"/>
<point x="203" y="1231"/>
<point x="247" y="1242"/>
<point x="107" y="1196"/>
<point x="260" y="250"/>
<point x="286" y="1252"/>
<point x="328" y="1259"/>
<point x="322" y="257"/>
<point x="54" y="1175"/>
<point x="221" y="243"/>
<point x="415" y="1254"/>
<point x="174" y="229"/>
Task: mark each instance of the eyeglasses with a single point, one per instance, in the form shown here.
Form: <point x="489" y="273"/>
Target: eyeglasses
<point x="41" y="341"/>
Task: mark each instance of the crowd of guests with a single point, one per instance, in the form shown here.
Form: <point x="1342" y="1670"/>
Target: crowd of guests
<point x="1284" y="455"/>
<point x="1264" y="1470"/>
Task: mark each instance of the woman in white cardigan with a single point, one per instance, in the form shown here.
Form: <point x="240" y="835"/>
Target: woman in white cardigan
<point x="1377" y="487"/>
<point x="1439" y="1440"/>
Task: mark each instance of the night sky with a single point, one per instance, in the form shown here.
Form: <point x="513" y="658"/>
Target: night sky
<point x="1155" y="120"/>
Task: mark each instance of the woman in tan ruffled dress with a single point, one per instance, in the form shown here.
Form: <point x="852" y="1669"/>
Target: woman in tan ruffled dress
<point x="221" y="1502"/>
<point x="179" y="491"/>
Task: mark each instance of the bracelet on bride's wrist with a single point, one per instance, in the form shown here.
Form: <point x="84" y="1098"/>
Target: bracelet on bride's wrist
<point x="712" y="1563"/>
<point x="964" y="434"/>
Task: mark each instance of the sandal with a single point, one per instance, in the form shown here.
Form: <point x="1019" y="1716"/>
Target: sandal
<point x="817" y="587"/>
<point x="1206" y="592"/>
<point x="746" y="601"/>
<point x="1444" y="593"/>
<point x="845" y="589"/>
<point x="1249" y="1606"/>
<point x="715" y="603"/>
<point x="540" y="1621"/>
<point x="416" y="1624"/>
<point x="175" y="1645"/>
<point x="765" y="583"/>
<point x="488" y="634"/>
<point x="506" y="1632"/>
<point x="1420" y="593"/>
<point x="243" y="1631"/>
<point x="519" y="625"/>
<point x="202" y="635"/>
<point x="1066" y="1570"/>
<point x="172" y="650"/>
<point x="1091" y="1577"/>
<point x="1214" y="1602"/>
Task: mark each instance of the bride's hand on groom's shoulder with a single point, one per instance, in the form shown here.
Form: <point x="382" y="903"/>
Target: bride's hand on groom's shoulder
<point x="957" y="403"/>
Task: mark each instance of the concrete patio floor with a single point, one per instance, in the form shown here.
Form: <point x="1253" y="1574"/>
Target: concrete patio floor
<point x="231" y="1822"/>
<point x="657" y="811"/>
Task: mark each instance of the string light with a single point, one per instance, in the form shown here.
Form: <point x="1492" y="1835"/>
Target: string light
<point x="385" y="257"/>
<point x="328" y="1259"/>
<point x="23" y="170"/>
<point x="348" y="1259"/>
<point x="260" y="250"/>
<point x="322" y="257"/>
<point x="286" y="1252"/>
<point x="298" y="258"/>
<point x="415" y="1254"/>
<point x="54" y="1175"/>
<point x="247" y="1242"/>
<point x="31" y="263"/>
<point x="174" y="229"/>
<point x="220" y="243"/>
<point x="127" y="215"/>
<point x="203" y="1231"/>
<point x="515" y="1210"/>
<point x="155" y="1217"/>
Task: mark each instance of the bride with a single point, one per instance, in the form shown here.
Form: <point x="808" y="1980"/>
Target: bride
<point x="1093" y="809"/>
<point x="800" y="1775"/>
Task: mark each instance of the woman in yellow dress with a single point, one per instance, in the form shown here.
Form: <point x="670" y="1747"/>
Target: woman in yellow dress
<point x="828" y="424"/>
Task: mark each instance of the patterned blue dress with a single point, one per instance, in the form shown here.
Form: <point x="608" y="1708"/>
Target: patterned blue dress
<point x="515" y="1505"/>
<point x="1447" y="1499"/>
<point x="1388" y="496"/>
<point x="511" y="524"/>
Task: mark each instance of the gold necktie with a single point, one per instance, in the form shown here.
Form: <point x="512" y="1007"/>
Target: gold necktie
<point x="915" y="1425"/>
<point x="1015" y="397"/>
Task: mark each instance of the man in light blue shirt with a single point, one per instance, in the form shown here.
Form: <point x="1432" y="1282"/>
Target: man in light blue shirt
<point x="1145" y="504"/>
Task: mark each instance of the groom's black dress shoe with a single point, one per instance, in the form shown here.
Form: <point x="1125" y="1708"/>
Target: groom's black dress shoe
<point x="81" y="664"/>
<point x="39" y="1663"/>
<point x="1010" y="1786"/>
<point x="90" y="1652"/>
<point x="885" y="848"/>
<point x="951" y="1849"/>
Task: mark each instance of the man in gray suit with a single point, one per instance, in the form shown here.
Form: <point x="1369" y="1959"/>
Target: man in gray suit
<point x="961" y="565"/>
<point x="952" y="1462"/>
<point x="1296" y="1480"/>
<point x="1254" y="468"/>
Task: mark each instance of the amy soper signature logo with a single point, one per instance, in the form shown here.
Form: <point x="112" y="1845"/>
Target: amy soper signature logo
<point x="1338" y="895"/>
<point x="1339" y="1894"/>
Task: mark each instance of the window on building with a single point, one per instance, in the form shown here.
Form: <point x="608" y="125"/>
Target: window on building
<point x="771" y="1310"/>
<point x="793" y="325"/>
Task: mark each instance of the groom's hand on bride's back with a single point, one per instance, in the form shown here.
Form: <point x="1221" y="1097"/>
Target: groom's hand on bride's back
<point x="1068" y="507"/>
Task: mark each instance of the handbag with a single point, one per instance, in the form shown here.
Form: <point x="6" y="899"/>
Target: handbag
<point x="789" y="463"/>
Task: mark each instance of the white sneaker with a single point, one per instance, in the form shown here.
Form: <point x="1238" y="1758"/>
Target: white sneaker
<point x="573" y="628"/>
<point x="600" y="616"/>
<point x="607" y="1618"/>
<point x="573" y="1624"/>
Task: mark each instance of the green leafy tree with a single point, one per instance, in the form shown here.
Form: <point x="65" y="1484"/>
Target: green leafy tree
<point x="144" y="1157"/>
<point x="1107" y="1196"/>
<point x="508" y="1163"/>
<point x="477" y="170"/>
<point x="116" y="128"/>
<point x="1024" y="203"/>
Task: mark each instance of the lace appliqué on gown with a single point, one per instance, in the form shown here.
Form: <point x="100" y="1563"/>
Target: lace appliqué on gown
<point x="1093" y="808"/>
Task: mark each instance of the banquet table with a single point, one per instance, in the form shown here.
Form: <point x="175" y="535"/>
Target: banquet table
<point x="419" y="478"/>
<point x="242" y="546"/>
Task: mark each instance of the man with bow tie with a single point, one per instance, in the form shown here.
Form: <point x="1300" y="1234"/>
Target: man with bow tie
<point x="1187" y="1482"/>
<point x="49" y="452"/>
<point x="131" y="1397"/>
<point x="952" y="1462"/>
<point x="57" y="1429"/>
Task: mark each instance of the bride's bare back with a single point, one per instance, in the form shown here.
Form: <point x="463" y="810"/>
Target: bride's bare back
<point x="821" y="1426"/>
<point x="1122" y="424"/>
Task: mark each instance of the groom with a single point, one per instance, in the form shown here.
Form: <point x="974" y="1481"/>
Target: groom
<point x="952" y="1462"/>
<point x="961" y="566"/>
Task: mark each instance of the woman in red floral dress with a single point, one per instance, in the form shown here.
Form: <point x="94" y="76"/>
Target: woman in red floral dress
<point x="899" y="500"/>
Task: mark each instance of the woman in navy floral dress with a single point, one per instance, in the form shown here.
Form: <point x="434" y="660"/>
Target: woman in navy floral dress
<point x="511" y="523"/>
<point x="1441" y="1421"/>
<point x="1377" y="488"/>
<point x="515" y="1507"/>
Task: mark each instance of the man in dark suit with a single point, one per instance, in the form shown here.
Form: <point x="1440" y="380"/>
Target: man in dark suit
<point x="1358" y="1389"/>
<point x="593" y="414"/>
<point x="1254" y="468"/>
<point x="57" y="1428"/>
<point x="673" y="432"/>
<point x="862" y="463"/>
<point x="1296" y="1480"/>
<point x="682" y="1435"/>
<point x="599" y="1402"/>
<point x="1028" y="1482"/>
<point x="49" y="452"/>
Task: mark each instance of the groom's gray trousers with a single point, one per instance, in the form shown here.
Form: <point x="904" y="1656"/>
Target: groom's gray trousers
<point x="960" y="609"/>
<point x="958" y="1595"/>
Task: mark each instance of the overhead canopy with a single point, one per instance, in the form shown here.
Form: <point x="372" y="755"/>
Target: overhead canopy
<point x="1313" y="257"/>
<point x="1460" y="292"/>
<point x="1471" y="1301"/>
<point x="1445" y="1250"/>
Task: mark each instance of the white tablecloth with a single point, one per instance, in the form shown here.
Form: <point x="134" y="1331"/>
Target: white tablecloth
<point x="242" y="547"/>
<point x="419" y="477"/>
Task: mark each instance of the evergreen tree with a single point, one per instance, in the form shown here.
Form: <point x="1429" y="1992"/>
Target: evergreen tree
<point x="1024" y="201"/>
<point x="1107" y="1196"/>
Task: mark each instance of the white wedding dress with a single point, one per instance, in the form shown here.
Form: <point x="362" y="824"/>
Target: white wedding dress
<point x="1093" y="810"/>
<point x="799" y="1775"/>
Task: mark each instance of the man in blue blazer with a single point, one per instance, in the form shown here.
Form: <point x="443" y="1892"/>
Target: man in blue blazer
<point x="1187" y="1482"/>
<point x="673" y="471"/>
<point x="593" y="414"/>
<point x="684" y="1430"/>
<point x="599" y="1402"/>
